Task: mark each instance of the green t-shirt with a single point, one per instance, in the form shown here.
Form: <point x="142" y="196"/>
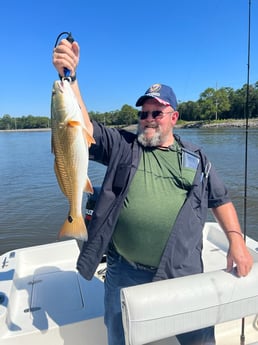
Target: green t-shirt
<point x="155" y="196"/>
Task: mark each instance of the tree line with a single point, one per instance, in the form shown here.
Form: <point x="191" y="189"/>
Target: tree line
<point x="224" y="103"/>
<point x="7" y="122"/>
<point x="213" y="104"/>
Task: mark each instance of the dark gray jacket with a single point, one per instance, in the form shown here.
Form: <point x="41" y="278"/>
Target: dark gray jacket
<point x="120" y="152"/>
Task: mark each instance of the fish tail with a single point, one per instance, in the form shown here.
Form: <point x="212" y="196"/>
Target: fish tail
<point x="74" y="227"/>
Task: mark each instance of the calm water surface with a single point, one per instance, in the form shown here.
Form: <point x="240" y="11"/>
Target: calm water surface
<point x="33" y="208"/>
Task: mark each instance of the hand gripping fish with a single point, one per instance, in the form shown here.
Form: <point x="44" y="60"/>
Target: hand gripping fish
<point x="70" y="144"/>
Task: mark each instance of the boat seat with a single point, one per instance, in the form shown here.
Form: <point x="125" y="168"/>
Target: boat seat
<point x="159" y="310"/>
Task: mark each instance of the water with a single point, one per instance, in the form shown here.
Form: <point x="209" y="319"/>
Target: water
<point x="33" y="208"/>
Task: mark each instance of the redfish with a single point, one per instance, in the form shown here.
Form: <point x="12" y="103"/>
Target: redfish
<point x="70" y="145"/>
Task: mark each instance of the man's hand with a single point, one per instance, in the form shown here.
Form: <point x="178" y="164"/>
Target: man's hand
<point x="66" y="55"/>
<point x="238" y="254"/>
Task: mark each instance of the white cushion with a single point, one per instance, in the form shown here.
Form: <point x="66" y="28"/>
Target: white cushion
<point x="162" y="309"/>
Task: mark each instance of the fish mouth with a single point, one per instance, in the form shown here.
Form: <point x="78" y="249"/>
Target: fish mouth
<point x="59" y="86"/>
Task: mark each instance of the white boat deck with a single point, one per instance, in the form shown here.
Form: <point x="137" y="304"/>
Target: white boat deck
<point x="43" y="299"/>
<point x="48" y="299"/>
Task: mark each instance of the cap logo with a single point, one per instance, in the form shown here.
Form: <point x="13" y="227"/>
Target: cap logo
<point x="155" y="88"/>
<point x="162" y="93"/>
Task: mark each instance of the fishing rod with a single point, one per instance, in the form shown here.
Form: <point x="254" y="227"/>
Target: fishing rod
<point x="247" y="109"/>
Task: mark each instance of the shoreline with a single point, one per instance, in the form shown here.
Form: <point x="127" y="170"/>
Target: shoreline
<point x="27" y="130"/>
<point x="252" y="123"/>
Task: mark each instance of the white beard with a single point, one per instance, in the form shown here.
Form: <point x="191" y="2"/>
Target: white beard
<point x="154" y="141"/>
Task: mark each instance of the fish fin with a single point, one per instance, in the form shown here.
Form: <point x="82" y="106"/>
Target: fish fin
<point x="88" y="188"/>
<point x="73" y="123"/>
<point x="74" y="227"/>
<point x="88" y="137"/>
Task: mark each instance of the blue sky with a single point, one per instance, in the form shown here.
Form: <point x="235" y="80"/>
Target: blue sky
<point x="126" y="45"/>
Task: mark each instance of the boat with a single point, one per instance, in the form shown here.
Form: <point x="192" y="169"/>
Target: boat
<point x="44" y="300"/>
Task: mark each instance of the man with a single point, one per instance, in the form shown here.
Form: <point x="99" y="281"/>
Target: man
<point x="153" y="203"/>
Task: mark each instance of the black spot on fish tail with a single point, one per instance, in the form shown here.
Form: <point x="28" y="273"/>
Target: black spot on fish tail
<point x="70" y="219"/>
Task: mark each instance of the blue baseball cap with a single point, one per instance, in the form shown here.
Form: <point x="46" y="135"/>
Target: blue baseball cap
<point x="162" y="93"/>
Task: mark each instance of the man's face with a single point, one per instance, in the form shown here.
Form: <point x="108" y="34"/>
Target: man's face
<point x="156" y="131"/>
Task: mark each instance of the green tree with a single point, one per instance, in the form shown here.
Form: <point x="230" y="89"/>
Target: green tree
<point x="222" y="103"/>
<point x="127" y="115"/>
<point x="207" y="104"/>
<point x="6" y="122"/>
<point x="238" y="100"/>
<point x="253" y="100"/>
<point x="213" y="103"/>
<point x="189" y="111"/>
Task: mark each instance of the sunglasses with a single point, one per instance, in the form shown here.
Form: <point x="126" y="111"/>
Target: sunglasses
<point x="156" y="114"/>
